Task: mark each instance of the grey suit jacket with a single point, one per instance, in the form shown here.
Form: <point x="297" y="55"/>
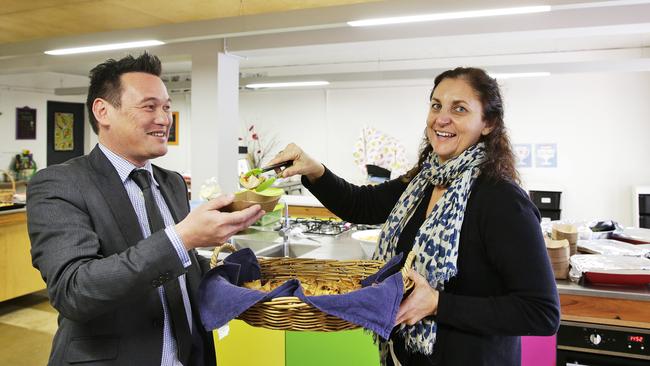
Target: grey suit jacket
<point x="101" y="274"/>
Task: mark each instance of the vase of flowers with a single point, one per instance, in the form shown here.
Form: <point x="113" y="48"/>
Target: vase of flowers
<point x="259" y="149"/>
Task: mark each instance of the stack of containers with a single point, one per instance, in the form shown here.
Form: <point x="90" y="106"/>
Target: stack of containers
<point x="558" y="253"/>
<point x="548" y="203"/>
<point x="568" y="232"/>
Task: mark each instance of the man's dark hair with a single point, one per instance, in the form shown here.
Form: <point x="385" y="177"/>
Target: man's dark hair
<point x="105" y="80"/>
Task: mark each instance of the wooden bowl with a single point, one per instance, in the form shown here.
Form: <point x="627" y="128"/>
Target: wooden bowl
<point x="246" y="199"/>
<point x="565" y="231"/>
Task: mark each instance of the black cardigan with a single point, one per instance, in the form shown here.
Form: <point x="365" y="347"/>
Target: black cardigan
<point x="504" y="287"/>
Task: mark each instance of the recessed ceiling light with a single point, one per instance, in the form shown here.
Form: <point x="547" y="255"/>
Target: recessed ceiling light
<point x="447" y="16"/>
<point x="104" y="47"/>
<point x="287" y="84"/>
<point x="510" y="75"/>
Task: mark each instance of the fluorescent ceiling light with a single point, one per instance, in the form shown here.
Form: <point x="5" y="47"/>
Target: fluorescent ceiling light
<point x="519" y="75"/>
<point x="447" y="16"/>
<point x="104" y="47"/>
<point x="286" y="85"/>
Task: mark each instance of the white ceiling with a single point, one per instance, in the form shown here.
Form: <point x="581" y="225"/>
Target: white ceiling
<point x="599" y="36"/>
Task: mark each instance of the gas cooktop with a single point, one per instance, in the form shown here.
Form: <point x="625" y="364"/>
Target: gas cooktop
<point x="326" y="226"/>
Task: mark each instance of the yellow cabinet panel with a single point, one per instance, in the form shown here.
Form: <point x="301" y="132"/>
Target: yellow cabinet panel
<point x="247" y="346"/>
<point x="17" y="276"/>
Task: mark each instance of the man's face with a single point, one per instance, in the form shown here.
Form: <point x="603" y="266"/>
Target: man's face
<point x="138" y="129"/>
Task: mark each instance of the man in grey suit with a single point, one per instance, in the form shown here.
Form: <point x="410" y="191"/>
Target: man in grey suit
<point x="113" y="237"/>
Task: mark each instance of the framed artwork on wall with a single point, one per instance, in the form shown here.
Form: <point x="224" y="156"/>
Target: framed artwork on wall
<point x="172" y="139"/>
<point x="25" y="123"/>
<point x="523" y="153"/>
<point x="546" y="155"/>
<point x="65" y="131"/>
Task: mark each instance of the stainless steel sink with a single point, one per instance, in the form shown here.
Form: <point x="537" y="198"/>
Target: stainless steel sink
<point x="256" y="240"/>
<point x="270" y="244"/>
<point x="294" y="250"/>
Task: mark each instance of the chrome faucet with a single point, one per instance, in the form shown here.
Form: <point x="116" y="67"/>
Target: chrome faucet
<point x="284" y="230"/>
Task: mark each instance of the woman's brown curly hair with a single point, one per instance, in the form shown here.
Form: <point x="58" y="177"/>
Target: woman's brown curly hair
<point x="500" y="160"/>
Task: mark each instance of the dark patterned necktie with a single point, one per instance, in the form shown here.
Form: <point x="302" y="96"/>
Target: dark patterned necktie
<point x="172" y="288"/>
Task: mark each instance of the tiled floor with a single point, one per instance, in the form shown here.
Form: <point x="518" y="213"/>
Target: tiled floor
<point x="27" y="325"/>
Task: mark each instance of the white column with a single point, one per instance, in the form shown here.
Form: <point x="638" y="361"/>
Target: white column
<point x="215" y="119"/>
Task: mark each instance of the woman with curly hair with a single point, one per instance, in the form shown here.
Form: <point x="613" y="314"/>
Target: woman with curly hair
<point x="482" y="276"/>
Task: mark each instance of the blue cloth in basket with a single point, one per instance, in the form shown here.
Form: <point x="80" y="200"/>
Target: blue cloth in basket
<point x="373" y="307"/>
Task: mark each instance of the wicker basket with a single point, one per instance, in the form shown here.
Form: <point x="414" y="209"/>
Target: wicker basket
<point x="290" y="313"/>
<point x="7" y="195"/>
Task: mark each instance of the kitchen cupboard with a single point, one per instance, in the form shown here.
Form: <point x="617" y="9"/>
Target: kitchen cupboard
<point x="538" y="351"/>
<point x="306" y="207"/>
<point x="247" y="345"/>
<point x="310" y="212"/>
<point x="17" y="276"/>
<point x="350" y="347"/>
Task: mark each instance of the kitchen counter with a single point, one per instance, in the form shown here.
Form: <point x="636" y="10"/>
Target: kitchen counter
<point x="12" y="211"/>
<point x="579" y="303"/>
<point x="625" y="306"/>
<point x="613" y="292"/>
<point x="343" y="247"/>
<point x="299" y="200"/>
<point x="339" y="247"/>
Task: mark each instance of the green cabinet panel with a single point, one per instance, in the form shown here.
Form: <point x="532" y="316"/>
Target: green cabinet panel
<point x="351" y="347"/>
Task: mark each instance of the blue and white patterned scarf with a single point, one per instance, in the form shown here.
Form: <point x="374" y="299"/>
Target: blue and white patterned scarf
<point x="436" y="242"/>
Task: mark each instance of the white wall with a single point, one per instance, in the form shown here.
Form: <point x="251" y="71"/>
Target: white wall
<point x="397" y="111"/>
<point x="9" y="146"/>
<point x="600" y="123"/>
<point x="327" y="123"/>
<point x="288" y="116"/>
<point x="178" y="156"/>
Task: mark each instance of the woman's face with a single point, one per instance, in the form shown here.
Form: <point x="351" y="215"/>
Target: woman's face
<point x="455" y="120"/>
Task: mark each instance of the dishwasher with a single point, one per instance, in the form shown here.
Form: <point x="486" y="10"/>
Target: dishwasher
<point x="587" y="344"/>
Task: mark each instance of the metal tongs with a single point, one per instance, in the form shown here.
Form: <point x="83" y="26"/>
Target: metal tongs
<point x="258" y="171"/>
<point x="268" y="182"/>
